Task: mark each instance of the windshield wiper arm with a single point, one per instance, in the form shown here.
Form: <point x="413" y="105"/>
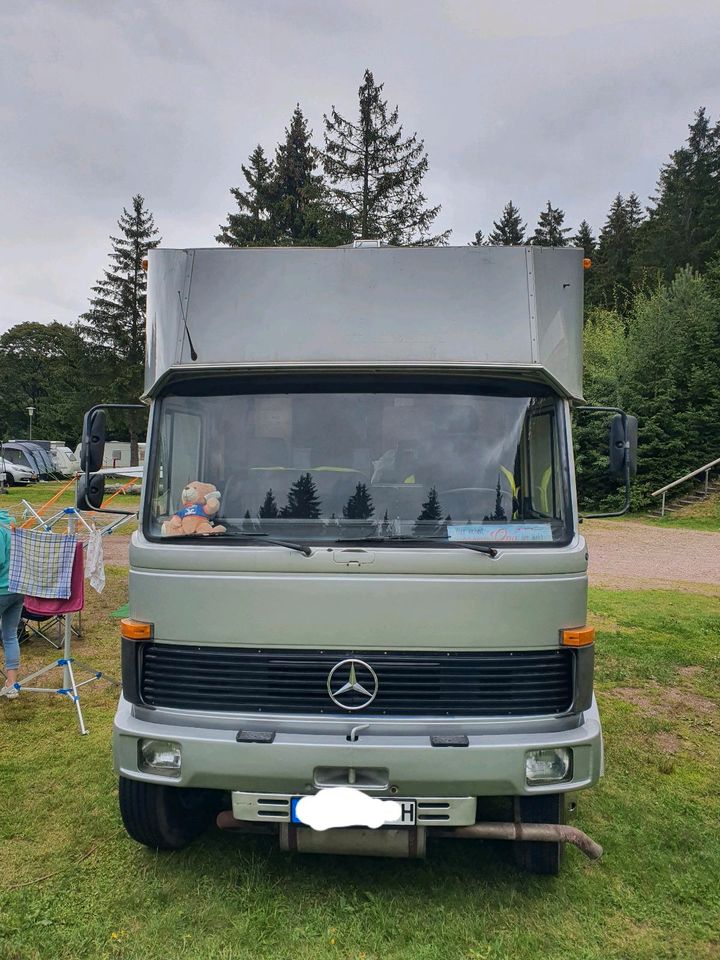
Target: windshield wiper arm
<point x="253" y="537"/>
<point x="264" y="538"/>
<point x="466" y="544"/>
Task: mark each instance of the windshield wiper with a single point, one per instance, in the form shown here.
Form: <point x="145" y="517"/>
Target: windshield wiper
<point x="253" y="538"/>
<point x="264" y="538"/>
<point x="465" y="544"/>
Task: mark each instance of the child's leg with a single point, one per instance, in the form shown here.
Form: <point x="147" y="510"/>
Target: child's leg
<point x="10" y="611"/>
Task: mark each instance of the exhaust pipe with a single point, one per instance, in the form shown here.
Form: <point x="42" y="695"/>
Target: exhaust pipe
<point x="552" y="832"/>
<point x="408" y="842"/>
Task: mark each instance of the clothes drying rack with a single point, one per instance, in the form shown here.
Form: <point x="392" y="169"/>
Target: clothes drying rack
<point x="67" y="662"/>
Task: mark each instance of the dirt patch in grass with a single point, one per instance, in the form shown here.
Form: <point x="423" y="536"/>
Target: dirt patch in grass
<point x="668" y="743"/>
<point x="658" y="701"/>
<point x="689" y="673"/>
<point x="602" y="622"/>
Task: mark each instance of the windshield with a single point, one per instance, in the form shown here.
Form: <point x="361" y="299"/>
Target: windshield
<point x="322" y="464"/>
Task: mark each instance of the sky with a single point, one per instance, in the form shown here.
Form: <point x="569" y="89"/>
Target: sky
<point x="570" y="102"/>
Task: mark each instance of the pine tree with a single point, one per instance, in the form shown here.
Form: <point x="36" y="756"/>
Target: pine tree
<point x="430" y="512"/>
<point x="115" y="323"/>
<point x="584" y="238"/>
<point x="550" y="231"/>
<point x="479" y="240"/>
<point x="303" y="502"/>
<point x="634" y="211"/>
<point x="499" y="511"/>
<point x="302" y="203"/>
<point x="509" y="230"/>
<point x="683" y="226"/>
<point x="613" y="280"/>
<point x="377" y="173"/>
<point x="269" y="508"/>
<point x="386" y="527"/>
<point x="254" y="224"/>
<point x="359" y="505"/>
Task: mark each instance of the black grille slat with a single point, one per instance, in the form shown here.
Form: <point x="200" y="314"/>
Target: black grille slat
<point x="243" y="680"/>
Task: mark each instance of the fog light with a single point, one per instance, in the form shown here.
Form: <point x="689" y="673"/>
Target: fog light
<point x="553" y="765"/>
<point x="159" y="756"/>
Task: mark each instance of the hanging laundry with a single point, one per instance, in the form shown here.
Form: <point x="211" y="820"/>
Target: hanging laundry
<point x="44" y="607"/>
<point x="95" y="561"/>
<point x="41" y="563"/>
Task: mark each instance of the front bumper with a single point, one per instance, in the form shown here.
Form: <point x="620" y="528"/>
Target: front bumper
<point x="493" y="763"/>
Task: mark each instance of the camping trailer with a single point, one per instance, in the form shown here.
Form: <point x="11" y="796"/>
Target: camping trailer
<point x="358" y="590"/>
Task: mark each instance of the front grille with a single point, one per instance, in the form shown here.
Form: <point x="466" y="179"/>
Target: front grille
<point x="483" y="684"/>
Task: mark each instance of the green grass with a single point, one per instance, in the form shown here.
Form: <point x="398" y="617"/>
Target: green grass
<point x="72" y="885"/>
<point x="38" y="494"/>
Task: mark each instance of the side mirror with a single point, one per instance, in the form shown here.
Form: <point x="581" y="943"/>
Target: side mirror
<point x="90" y="491"/>
<point x="623" y="444"/>
<point x="93" y="441"/>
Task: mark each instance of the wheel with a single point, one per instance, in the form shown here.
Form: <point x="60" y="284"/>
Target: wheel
<point x="165" y="818"/>
<point x="538" y="856"/>
<point x="9" y="479"/>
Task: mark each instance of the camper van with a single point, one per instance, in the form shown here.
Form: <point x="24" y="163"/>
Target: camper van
<point x="117" y="454"/>
<point x="64" y="461"/>
<point x="358" y="589"/>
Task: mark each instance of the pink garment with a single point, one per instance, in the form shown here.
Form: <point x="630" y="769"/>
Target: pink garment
<point x="42" y="608"/>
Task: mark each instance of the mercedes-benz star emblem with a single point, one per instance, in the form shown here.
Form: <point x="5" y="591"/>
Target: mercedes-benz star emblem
<point x="352" y="684"/>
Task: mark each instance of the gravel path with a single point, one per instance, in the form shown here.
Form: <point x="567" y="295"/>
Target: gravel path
<point x="638" y="556"/>
<point x="623" y="554"/>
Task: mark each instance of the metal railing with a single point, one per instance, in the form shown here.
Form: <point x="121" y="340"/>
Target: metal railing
<point x="688" y="476"/>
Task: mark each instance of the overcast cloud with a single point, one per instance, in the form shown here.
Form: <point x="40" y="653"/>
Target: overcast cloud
<point x="563" y="101"/>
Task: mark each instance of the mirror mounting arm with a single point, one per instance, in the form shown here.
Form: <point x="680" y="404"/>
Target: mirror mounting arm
<point x="626" y="466"/>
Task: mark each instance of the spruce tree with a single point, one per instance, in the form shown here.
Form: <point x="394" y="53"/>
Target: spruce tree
<point x="550" y="231"/>
<point x="612" y="273"/>
<point x="479" y="240"/>
<point x="584" y="238"/>
<point x="302" y="203"/>
<point x="303" y="501"/>
<point x="115" y="323"/>
<point x="377" y="173"/>
<point x="683" y="226"/>
<point x="509" y="230"/>
<point x="499" y="511"/>
<point x="430" y="513"/>
<point x="269" y="508"/>
<point x="254" y="224"/>
<point x="359" y="505"/>
<point x="386" y="527"/>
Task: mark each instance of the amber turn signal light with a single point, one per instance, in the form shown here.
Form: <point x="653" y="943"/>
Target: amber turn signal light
<point x="577" y="637"/>
<point x="135" y="629"/>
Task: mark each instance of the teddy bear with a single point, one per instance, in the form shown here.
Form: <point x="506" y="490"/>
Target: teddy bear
<point x="199" y="502"/>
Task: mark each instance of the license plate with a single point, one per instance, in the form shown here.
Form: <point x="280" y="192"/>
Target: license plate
<point x="408" y="809"/>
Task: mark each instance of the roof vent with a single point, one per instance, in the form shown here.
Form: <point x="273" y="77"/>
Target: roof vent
<point x="359" y="244"/>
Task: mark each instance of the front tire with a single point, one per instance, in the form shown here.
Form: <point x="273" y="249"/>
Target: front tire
<point x="538" y="856"/>
<point x="164" y="818"/>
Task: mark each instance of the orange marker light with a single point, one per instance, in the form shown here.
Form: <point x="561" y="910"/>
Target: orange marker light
<point x="136" y="629"/>
<point x="587" y="263"/>
<point x="145" y="264"/>
<point x="577" y="637"/>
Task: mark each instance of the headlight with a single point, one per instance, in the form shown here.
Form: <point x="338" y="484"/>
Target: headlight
<point x="553" y="765"/>
<point x="160" y="756"/>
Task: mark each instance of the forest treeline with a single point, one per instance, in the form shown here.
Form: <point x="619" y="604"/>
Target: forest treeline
<point x="652" y="320"/>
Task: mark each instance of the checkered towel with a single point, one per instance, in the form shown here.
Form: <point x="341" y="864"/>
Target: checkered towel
<point x="41" y="563"/>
